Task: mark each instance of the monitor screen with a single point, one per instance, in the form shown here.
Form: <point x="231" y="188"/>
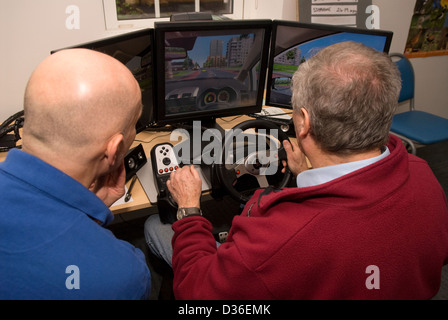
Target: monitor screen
<point x="294" y="43"/>
<point x="211" y="69"/>
<point x="135" y="50"/>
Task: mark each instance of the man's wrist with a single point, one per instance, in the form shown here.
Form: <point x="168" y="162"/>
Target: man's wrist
<point x="188" y="205"/>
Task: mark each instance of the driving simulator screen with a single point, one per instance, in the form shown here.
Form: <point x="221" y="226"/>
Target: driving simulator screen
<point x="209" y="71"/>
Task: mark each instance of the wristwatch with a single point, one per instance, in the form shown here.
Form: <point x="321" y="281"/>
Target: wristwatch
<point x="188" y="212"/>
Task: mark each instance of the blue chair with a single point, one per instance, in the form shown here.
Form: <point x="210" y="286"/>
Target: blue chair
<point x="413" y="125"/>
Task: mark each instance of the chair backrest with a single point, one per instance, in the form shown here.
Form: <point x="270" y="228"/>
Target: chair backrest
<point x="407" y="78"/>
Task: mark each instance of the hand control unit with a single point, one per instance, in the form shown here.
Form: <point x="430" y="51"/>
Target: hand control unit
<point x="164" y="162"/>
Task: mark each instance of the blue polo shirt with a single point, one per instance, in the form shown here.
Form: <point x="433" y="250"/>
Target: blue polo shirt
<point x="51" y="247"/>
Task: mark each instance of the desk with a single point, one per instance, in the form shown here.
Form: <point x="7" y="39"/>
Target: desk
<point x="148" y="139"/>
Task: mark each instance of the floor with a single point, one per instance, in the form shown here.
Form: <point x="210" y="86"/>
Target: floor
<point x="131" y="228"/>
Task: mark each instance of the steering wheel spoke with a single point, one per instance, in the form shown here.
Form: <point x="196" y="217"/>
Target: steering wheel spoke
<point x="262" y="181"/>
<point x="240" y="169"/>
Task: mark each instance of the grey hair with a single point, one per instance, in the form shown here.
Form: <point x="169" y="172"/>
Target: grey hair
<point x="351" y="94"/>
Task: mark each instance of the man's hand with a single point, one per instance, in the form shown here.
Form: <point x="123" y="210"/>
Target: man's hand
<point x="110" y="188"/>
<point x="185" y="186"/>
<point x="296" y="159"/>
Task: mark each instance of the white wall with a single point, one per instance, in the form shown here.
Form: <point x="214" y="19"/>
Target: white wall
<point x="30" y="29"/>
<point x="270" y="9"/>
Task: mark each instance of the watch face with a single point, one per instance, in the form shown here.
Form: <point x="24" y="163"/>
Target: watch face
<point x="179" y="214"/>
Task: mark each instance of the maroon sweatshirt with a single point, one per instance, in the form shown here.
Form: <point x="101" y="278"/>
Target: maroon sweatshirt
<point x="380" y="232"/>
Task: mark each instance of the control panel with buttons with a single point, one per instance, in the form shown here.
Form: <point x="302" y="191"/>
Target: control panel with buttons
<point x="165" y="159"/>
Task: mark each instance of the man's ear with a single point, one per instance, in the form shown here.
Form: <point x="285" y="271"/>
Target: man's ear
<point x="306" y="120"/>
<point x="114" y="148"/>
<point x="302" y="122"/>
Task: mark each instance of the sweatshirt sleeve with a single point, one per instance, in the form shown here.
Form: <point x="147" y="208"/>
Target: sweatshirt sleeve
<point x="201" y="271"/>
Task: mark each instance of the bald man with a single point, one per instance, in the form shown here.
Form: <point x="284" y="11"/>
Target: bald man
<point x="81" y="109"/>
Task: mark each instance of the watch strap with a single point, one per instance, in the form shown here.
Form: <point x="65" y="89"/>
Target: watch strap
<point x="188" y="212"/>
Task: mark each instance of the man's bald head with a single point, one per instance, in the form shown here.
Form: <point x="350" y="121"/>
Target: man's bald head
<point x="79" y="98"/>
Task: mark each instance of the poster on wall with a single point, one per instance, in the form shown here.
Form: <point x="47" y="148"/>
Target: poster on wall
<point x="351" y="13"/>
<point x="428" y="33"/>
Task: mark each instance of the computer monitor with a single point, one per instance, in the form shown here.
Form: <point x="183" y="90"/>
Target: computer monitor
<point x="294" y="42"/>
<point x="210" y="69"/>
<point x="135" y="50"/>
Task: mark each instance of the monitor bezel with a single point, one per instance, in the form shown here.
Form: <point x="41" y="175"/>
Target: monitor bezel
<point x="147" y="118"/>
<point x="314" y="26"/>
<point x="181" y="118"/>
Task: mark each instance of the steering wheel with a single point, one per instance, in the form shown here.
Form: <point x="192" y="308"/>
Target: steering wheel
<point x="252" y="159"/>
